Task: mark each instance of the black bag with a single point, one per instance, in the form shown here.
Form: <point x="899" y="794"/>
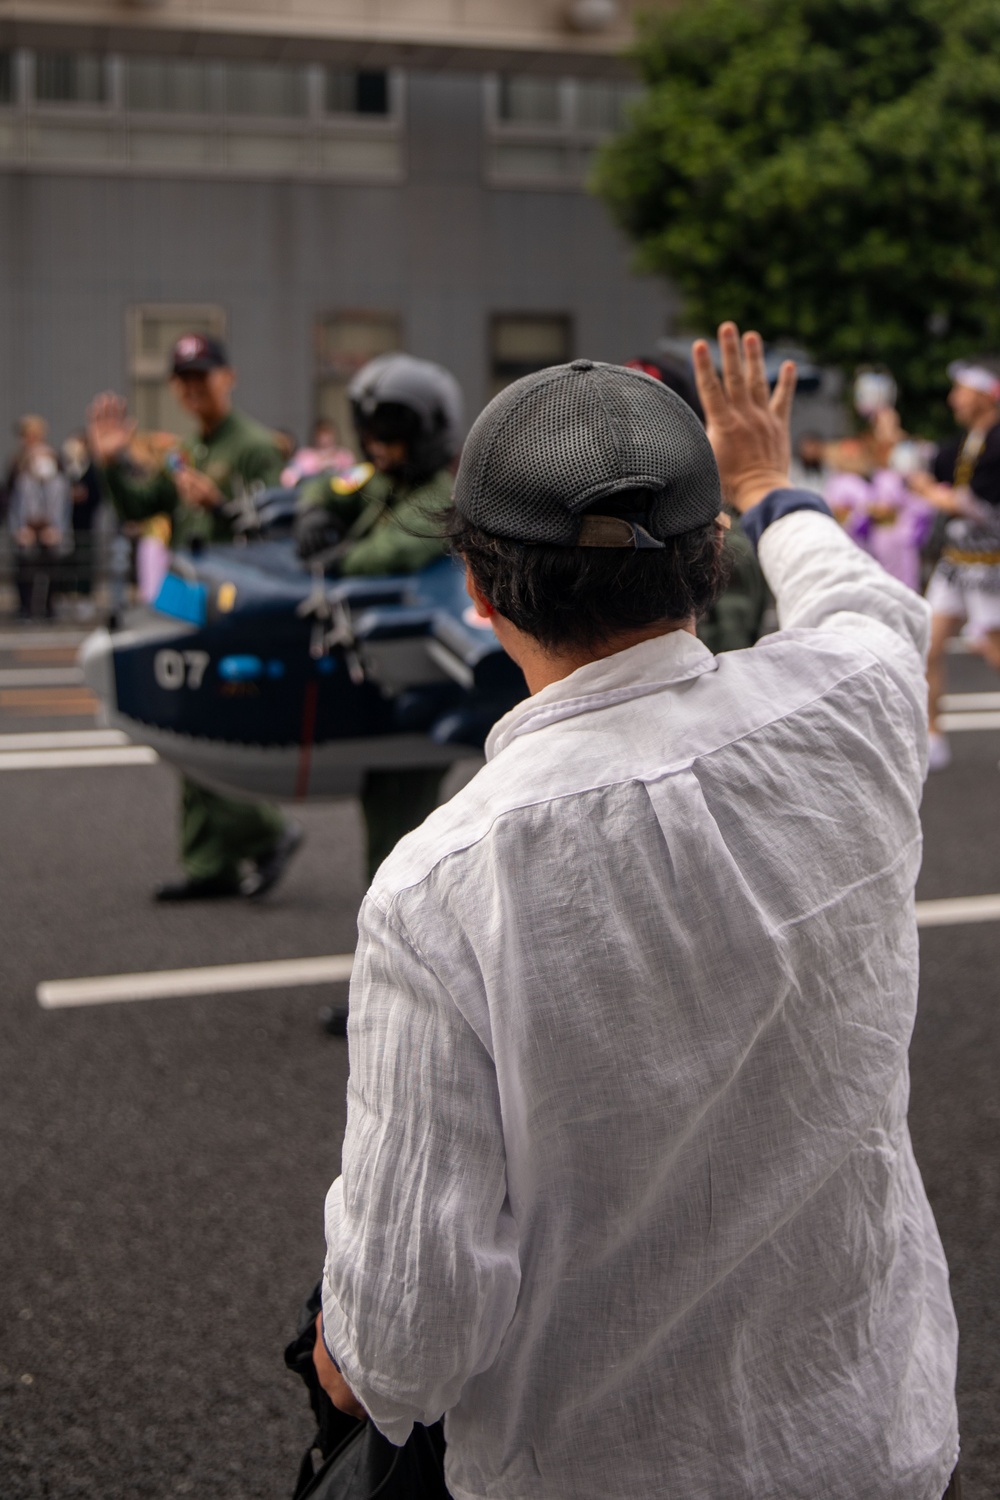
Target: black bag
<point x="358" y="1463"/>
<point x="367" y="1465"/>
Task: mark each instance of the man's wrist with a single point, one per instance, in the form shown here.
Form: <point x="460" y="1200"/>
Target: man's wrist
<point x="751" y="487"/>
<point x="781" y="501"/>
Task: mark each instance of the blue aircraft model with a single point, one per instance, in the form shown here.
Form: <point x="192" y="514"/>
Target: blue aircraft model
<point x="256" y="674"/>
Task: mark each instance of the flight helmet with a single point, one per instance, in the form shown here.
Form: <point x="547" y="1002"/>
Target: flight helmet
<point x="396" y="398"/>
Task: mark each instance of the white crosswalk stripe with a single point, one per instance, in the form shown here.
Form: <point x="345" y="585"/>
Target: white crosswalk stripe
<point x="958" y="910"/>
<point x="36" y="677"/>
<point x="965" y="702"/>
<point x="282" y="973"/>
<point x="63" y="739"/>
<point x="216" y="979"/>
<point x="77" y="759"/>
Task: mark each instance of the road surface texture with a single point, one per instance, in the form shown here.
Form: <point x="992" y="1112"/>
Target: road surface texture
<point x="165" y="1160"/>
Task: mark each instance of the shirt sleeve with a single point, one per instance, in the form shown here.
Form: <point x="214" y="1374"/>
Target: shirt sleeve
<point x="822" y="581"/>
<point x="137" y="499"/>
<point x="404" y="542"/>
<point x="422" y="1269"/>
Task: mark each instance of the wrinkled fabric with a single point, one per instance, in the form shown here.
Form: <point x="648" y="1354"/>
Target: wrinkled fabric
<point x="628" y="1190"/>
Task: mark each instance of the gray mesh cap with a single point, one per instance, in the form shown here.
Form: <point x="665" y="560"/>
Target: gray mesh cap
<point x="554" y="444"/>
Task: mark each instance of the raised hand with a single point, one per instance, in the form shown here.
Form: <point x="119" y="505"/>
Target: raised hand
<point x="110" y="429"/>
<point x="747" y="425"/>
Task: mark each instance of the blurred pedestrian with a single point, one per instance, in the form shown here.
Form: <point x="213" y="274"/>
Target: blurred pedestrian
<point x="964" y="591"/>
<point x="38" y="518"/>
<point x="85" y="497"/>
<point x="627" y="1188"/>
<point x="324" y="455"/>
<point x="229" y="846"/>
<point x="810" y="466"/>
<point x="884" y="517"/>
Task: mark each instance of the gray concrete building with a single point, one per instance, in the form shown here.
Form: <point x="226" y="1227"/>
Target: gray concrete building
<point x="317" y="183"/>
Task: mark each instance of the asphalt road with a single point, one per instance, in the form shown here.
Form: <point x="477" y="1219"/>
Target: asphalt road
<point x="164" y="1162"/>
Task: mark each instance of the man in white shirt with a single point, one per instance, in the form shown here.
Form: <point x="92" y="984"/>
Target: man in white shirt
<point x="628" y="1190"/>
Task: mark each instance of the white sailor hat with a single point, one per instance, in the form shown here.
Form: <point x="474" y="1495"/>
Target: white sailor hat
<point x="976" y="377"/>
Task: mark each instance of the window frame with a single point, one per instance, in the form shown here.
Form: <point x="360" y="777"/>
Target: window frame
<point x="143" y="370"/>
<point x="221" y="144"/>
<point x="533" y="315"/>
<point x="575" y="141"/>
<point x="76" y="109"/>
<point x="326" y="374"/>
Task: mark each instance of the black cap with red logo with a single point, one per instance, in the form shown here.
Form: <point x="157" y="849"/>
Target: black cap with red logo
<point x="197" y="353"/>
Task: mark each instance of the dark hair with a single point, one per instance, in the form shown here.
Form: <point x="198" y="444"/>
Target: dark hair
<point x="580" y="596"/>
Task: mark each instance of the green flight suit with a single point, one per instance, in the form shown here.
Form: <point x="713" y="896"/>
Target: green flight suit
<point x="217" y="833"/>
<point x="388" y="526"/>
<point x="734" y="621"/>
<point x="238" y="452"/>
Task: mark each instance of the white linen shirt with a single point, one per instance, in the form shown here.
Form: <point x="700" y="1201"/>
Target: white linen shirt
<point x="627" y="1189"/>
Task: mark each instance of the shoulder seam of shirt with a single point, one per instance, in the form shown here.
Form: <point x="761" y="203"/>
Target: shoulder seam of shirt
<point x="402" y="931"/>
<point x="674" y="770"/>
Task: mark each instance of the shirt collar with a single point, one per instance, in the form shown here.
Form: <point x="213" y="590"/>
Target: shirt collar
<point x="647" y="668"/>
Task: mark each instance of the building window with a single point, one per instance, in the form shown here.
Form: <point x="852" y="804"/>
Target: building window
<point x="524" y="100"/>
<point x="344" y="342"/>
<point x="153" y="330"/>
<point x="71" y="78"/>
<point x="205" y="118"/>
<point x="167" y="86"/>
<point x="521" y="343"/>
<point x="602" y="107"/>
<point x="356" y="93"/>
<point x="266" y="89"/>
<point x="544" y="131"/>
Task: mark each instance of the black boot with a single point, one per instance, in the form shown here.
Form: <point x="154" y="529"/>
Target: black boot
<point x="270" y="870"/>
<point x="196" y="890"/>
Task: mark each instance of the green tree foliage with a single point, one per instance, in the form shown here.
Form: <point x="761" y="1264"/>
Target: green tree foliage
<point x="823" y="170"/>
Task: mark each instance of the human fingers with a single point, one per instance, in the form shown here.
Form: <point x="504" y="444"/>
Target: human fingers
<point x="753" y="359"/>
<point x="784" y="390"/>
<point x="710" y="391"/>
<point x="733" y="374"/>
<point x="97" y="409"/>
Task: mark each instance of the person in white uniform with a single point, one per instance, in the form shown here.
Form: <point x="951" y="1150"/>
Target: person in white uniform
<point x="628" y="1192"/>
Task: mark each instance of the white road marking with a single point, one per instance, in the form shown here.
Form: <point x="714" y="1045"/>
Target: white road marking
<point x="64" y="739"/>
<point x="285" y="973"/>
<point x="958" y="703"/>
<point x="958" y="911"/>
<point x="77" y="760"/>
<point x="27" y="677"/>
<point x="38" y="640"/>
<point x="218" y="979"/>
<point x="956" y="723"/>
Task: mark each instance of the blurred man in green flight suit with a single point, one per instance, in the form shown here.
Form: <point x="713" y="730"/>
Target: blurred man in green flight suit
<point x="380" y="518"/>
<point x="228" y="846"/>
